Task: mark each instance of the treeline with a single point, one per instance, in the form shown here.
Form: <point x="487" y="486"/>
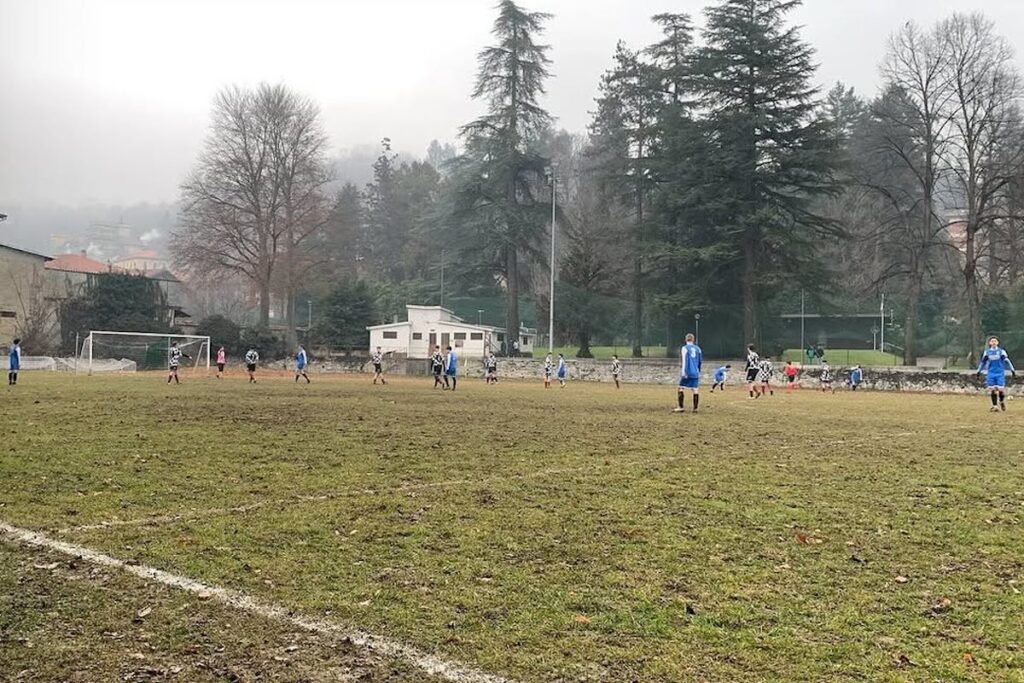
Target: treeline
<point x="715" y="180"/>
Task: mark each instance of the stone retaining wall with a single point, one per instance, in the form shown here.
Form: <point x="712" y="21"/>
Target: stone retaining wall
<point x="666" y="371"/>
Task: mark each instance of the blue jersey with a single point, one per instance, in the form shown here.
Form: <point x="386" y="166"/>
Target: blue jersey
<point x="561" y="368"/>
<point x="721" y="373"/>
<point x="300" y="359"/>
<point x="856" y="376"/>
<point x="994" y="363"/>
<point x="692" y="358"/>
<point x="14" y="357"/>
<point x="451" y="365"/>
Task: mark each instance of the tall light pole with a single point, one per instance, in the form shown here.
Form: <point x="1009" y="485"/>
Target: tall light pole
<point x="803" y="347"/>
<point x="442" y="277"/>
<point x="479" y="316"/>
<point x="309" y="315"/>
<point x="551" y="299"/>
<point x="882" y="326"/>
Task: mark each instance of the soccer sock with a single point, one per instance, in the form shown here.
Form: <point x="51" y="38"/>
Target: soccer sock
<point x="696" y="400"/>
<point x="1002" y="396"/>
<point x="682" y="400"/>
<point x="995" y="398"/>
<point x="455" y="383"/>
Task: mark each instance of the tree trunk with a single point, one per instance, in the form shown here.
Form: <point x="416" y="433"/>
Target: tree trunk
<point x="638" y="273"/>
<point x="910" y="322"/>
<point x="264" y="304"/>
<point x="511" y="297"/>
<point x="292" y="339"/>
<point x="973" y="299"/>
<point x="750" y="331"/>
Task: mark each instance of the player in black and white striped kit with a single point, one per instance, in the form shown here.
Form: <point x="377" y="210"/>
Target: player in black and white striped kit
<point x="251" y="359"/>
<point x="174" y="355"/>
<point x="753" y="369"/>
<point x="437" y="367"/>
<point x="378" y="366"/>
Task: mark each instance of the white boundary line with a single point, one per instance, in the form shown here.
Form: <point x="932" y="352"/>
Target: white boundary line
<point x="424" y="661"/>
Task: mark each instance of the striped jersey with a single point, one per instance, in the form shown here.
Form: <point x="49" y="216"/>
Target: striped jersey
<point x="437" y="361"/>
<point x="377" y="358"/>
<point x="174" y="357"/>
<point x="765" y="370"/>
<point x="616" y="367"/>
<point x="826" y="374"/>
<point x="753" y="360"/>
<point x="251" y="357"/>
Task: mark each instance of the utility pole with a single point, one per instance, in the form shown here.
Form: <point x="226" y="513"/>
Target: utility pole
<point x="442" y="277"/>
<point x="803" y="346"/>
<point x="882" y="326"/>
<point x="551" y="303"/>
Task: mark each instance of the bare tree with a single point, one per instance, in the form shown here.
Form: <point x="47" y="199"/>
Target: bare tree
<point x="914" y="134"/>
<point x="256" y="192"/>
<point x="981" y="154"/>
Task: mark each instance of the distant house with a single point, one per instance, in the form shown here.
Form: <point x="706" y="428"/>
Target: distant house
<point x="141" y="262"/>
<point x="428" y="326"/>
<point x="68" y="275"/>
<point x="22" y="303"/>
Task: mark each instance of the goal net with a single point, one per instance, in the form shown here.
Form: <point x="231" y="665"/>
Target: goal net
<point x="104" y="351"/>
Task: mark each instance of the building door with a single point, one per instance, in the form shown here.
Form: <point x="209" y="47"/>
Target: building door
<point x="433" y="340"/>
<point x="445" y="340"/>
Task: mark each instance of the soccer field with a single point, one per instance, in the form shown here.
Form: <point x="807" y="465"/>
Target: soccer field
<point x="584" y="534"/>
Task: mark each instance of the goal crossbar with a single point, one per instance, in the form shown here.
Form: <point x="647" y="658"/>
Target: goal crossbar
<point x="202" y="358"/>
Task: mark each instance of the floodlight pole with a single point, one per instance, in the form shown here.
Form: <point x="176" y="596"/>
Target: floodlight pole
<point x="803" y="347"/>
<point x="882" y="326"/>
<point x="551" y="300"/>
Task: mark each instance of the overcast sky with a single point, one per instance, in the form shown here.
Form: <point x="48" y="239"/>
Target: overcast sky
<point x="107" y="100"/>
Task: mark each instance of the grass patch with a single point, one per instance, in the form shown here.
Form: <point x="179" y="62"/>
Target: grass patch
<point x="583" y="534"/>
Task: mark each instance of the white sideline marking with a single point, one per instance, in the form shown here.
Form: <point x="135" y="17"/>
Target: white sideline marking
<point x="429" y="663"/>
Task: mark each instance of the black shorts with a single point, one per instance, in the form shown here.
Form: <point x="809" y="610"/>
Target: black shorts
<point x="752" y="374"/>
<point x="377" y="367"/>
<point x="220" y="367"/>
<point x="438" y="369"/>
<point x="173" y="368"/>
<point x="251" y="367"/>
<point x="791" y="378"/>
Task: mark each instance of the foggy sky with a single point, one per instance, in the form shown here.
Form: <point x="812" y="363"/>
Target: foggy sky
<point x="107" y="100"/>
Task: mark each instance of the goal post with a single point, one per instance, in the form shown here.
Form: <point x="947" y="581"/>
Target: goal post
<point x="110" y="351"/>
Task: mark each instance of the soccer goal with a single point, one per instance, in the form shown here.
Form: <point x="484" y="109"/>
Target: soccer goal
<point x="104" y="351"/>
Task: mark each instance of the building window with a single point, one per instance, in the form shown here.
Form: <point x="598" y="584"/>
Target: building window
<point x="460" y="336"/>
<point x="390" y="334"/>
<point x="501" y="337"/>
<point x="526" y="341"/>
<point x="476" y="336"/>
<point x="417" y="336"/>
<point x="8" y="314"/>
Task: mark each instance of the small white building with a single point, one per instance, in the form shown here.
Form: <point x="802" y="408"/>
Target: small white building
<point x="429" y="326"/>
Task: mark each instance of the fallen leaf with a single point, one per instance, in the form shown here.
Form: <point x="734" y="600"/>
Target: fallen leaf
<point x="902" y="579"/>
<point x="582" y="619"/>
<point x="969" y="658"/>
<point x="144" y="612"/>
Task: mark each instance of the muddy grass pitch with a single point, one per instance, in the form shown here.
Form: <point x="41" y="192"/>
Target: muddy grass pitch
<point x="505" y="532"/>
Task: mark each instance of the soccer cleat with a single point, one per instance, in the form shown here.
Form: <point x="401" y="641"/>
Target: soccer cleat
<point x="993" y="409"/>
<point x="1002" y="406"/>
<point x="679" y="410"/>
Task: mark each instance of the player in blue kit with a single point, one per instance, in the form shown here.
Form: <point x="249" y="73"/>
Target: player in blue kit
<point x="721" y="374"/>
<point x="692" y="358"/>
<point x="451" y="367"/>
<point x="561" y="370"/>
<point x="13" y="362"/>
<point x="301" y="361"/>
<point x="994" y="363"/>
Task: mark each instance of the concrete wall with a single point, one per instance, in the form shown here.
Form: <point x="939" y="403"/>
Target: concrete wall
<point x="666" y="372"/>
<point x="22" y="278"/>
